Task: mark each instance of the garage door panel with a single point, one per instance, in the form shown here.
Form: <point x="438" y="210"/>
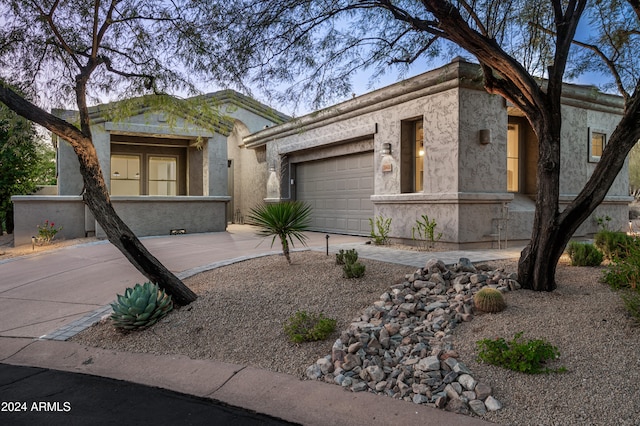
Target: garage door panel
<point x="339" y="189"/>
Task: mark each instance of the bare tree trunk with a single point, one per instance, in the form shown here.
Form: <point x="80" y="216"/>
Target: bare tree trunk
<point x="552" y="229"/>
<point x="537" y="265"/>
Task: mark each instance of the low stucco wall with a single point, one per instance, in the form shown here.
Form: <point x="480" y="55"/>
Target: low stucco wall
<point x="471" y="220"/>
<point x="29" y="211"/>
<point x="145" y="216"/>
<point x="148" y="216"/>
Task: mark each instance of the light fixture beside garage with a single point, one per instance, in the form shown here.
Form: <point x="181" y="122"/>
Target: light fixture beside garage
<point x="386" y="149"/>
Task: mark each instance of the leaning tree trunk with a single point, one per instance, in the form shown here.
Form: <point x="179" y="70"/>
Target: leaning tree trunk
<point x="121" y="236"/>
<point x="97" y="196"/>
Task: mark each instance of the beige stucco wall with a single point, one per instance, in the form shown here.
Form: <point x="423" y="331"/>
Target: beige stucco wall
<point x="465" y="181"/>
<point x="250" y="172"/>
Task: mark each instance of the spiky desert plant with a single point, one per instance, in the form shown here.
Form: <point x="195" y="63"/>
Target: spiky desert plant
<point x="140" y="307"/>
<point x="489" y="300"/>
<point x="286" y="220"/>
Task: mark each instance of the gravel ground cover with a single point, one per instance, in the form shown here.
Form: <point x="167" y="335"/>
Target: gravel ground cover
<point x="241" y="310"/>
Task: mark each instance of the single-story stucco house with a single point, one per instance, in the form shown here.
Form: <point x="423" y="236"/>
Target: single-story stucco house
<point x="438" y="144"/>
<point x="165" y="173"/>
<point x="435" y="144"/>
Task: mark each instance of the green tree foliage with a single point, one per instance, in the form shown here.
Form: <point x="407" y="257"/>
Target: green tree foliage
<point x="525" y="48"/>
<point x="25" y="163"/>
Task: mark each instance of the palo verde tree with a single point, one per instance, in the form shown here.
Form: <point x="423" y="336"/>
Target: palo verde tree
<point x="525" y="49"/>
<point x="79" y="51"/>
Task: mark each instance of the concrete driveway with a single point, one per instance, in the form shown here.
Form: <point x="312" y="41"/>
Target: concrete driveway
<point x="43" y="292"/>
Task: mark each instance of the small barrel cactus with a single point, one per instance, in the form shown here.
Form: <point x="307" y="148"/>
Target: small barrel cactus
<point x="140" y="307"/>
<point x="489" y="300"/>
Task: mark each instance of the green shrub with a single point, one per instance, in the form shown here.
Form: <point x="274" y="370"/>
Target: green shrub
<point x="624" y="272"/>
<point x="603" y="222"/>
<point x="353" y="270"/>
<point x="47" y="232"/>
<point x="631" y="301"/>
<point x="425" y="229"/>
<point x="526" y="357"/>
<point x="305" y="327"/>
<point x="584" y="254"/>
<point x="349" y="256"/>
<point x="286" y="220"/>
<point x="614" y="244"/>
<point x="489" y="300"/>
<point x="140" y="307"/>
<point x="350" y="266"/>
<point x="380" y="230"/>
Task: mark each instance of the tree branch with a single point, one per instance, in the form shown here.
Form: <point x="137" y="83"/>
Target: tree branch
<point x="48" y="17"/>
<point x="36" y="114"/>
<point x="474" y="16"/>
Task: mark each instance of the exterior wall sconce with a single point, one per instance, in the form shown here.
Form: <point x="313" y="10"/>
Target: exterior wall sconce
<point x="485" y="136"/>
<point x="116" y="174"/>
<point x="386" y="149"/>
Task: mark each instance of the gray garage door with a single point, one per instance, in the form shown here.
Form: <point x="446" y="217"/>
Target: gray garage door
<point x="338" y="190"/>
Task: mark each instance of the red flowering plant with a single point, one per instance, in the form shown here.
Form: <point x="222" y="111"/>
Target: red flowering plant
<point x="47" y="232"/>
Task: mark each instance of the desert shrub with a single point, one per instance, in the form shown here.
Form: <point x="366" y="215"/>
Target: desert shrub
<point x="350" y="266"/>
<point x="631" y="300"/>
<point x="353" y="270"/>
<point x="305" y="327"/>
<point x="349" y="256"/>
<point x="489" y="300"/>
<point x="614" y="244"/>
<point x="603" y="222"/>
<point x="380" y="229"/>
<point x="47" y="232"/>
<point x="624" y="272"/>
<point x="517" y="355"/>
<point x="584" y="254"/>
<point x="425" y="230"/>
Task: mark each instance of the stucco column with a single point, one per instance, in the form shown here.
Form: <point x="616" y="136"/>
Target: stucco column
<point x="217" y="165"/>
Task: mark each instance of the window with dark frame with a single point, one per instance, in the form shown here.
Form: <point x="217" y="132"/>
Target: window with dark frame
<point x="412" y="152"/>
<point x="597" y="142"/>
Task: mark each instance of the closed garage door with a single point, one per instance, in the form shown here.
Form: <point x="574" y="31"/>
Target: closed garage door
<point x="338" y="190"/>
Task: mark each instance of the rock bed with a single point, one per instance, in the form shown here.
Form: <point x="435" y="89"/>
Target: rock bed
<point x="401" y="346"/>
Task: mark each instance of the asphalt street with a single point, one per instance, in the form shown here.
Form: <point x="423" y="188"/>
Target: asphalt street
<point x="40" y="396"/>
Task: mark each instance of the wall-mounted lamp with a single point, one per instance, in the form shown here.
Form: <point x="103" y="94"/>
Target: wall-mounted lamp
<point x="386" y="149"/>
<point x="116" y="174"/>
<point x="485" y="136"/>
<point x="421" y="150"/>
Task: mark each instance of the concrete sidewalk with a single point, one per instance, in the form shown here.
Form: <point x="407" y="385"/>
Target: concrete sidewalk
<point x="56" y="294"/>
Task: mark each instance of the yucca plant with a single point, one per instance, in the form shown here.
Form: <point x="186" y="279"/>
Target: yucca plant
<point x="140" y="307"/>
<point x="286" y="220"/>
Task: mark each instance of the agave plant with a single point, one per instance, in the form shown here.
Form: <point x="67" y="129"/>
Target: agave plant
<point x="140" y="307"/>
<point x="286" y="220"/>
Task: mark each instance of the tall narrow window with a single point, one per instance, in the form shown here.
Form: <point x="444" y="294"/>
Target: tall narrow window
<point x="125" y="175"/>
<point x="412" y="152"/>
<point x="163" y="176"/>
<point x="513" y="158"/>
<point x="419" y="156"/>
<point x="597" y="142"/>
